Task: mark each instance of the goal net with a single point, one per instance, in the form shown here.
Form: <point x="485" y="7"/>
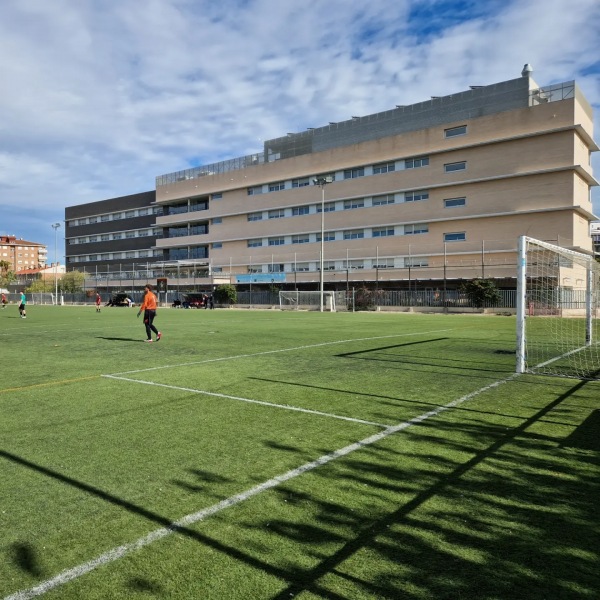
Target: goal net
<point x="558" y="311"/>
<point x="298" y="300"/>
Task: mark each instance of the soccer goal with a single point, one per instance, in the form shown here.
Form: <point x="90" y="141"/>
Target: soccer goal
<point x="558" y="311"/>
<point x="299" y="300"/>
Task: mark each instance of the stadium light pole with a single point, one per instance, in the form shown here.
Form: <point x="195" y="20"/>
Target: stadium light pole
<point x="322" y="182"/>
<point x="55" y="226"/>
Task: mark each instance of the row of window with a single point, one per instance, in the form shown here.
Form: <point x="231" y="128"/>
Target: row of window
<point x="116" y="216"/>
<point x="352" y="234"/>
<point x="115" y="256"/>
<point x="116" y="235"/>
<point x="355" y="203"/>
<point x="409" y="163"/>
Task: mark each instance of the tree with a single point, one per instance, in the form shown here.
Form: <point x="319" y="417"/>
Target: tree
<point x="225" y="294"/>
<point x="41" y="285"/>
<point x="481" y="291"/>
<point x="72" y="282"/>
<point x="6" y="274"/>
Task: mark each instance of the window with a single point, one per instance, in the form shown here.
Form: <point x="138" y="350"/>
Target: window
<point x="217" y="196"/>
<point x="356" y="203"/>
<point x="93" y="220"/>
<point x="415" y="163"/>
<point x="104" y="218"/>
<point x="301" y="239"/>
<point x="452" y="202"/>
<point x="457" y="166"/>
<point x="277" y="214"/>
<point x="329" y="207"/>
<point x="276" y="187"/>
<point x="117" y="216"/>
<point x="105" y="237"/>
<point x="142" y="212"/>
<point x="255" y="216"/>
<point x="278" y="268"/>
<point x="254" y="243"/>
<point x="253" y="191"/>
<point x="354" y="234"/>
<point x="384" y="168"/>
<point x="381" y="200"/>
<point x="144" y="233"/>
<point x="300" y="210"/>
<point x="354" y="173"/>
<point x="93" y="238"/>
<point x="130" y="234"/>
<point x="383" y="231"/>
<point x="454" y="131"/>
<point x="416" y="229"/>
<point x="129" y="214"/>
<point x="217" y="245"/>
<point x="279" y="241"/>
<point x="329" y="236"/>
<point x="386" y="263"/>
<point x="416" y="261"/>
<point x="117" y="236"/>
<point x="416" y="196"/>
<point x="217" y="220"/>
<point x="356" y="264"/>
<point x="300" y="267"/>
<point x="296" y="183"/>
<point x="455" y="237"/>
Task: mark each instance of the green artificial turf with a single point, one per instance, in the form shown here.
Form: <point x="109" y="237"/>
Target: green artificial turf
<point x="490" y="493"/>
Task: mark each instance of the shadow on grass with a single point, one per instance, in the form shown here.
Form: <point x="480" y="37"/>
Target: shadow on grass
<point x="119" y="339"/>
<point x="495" y="513"/>
<point x="25" y="557"/>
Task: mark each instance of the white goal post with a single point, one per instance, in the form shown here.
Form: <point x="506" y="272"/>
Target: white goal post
<point x="558" y="311"/>
<point x="301" y="300"/>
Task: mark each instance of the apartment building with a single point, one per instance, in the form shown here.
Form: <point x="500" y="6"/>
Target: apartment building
<point x="21" y="254"/>
<point x="420" y="194"/>
<point x="112" y="236"/>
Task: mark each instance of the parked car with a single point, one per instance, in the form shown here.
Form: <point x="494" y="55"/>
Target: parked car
<point x="120" y="299"/>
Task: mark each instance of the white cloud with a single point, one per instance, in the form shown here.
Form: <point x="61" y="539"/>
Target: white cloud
<point x="99" y="98"/>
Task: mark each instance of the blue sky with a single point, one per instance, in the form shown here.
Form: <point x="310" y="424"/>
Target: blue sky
<point x="100" y="97"/>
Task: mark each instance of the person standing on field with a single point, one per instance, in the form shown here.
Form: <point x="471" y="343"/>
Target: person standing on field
<point x="22" y="304"/>
<point x="149" y="308"/>
<point x="4" y="300"/>
<point x="98" y="302"/>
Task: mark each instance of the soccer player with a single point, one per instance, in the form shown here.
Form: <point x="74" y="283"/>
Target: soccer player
<point x="149" y="308"/>
<point x="22" y="311"/>
<point x="4" y="300"/>
<point x="98" y="302"/>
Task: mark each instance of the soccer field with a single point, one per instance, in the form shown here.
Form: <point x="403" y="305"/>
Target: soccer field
<point x="277" y="455"/>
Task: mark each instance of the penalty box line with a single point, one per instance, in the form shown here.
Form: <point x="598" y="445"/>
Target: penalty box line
<point x="191" y="519"/>
<point x="249" y="400"/>
<point x="321" y="344"/>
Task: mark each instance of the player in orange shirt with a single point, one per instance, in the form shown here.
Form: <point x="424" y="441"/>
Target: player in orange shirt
<point x="149" y="308"/>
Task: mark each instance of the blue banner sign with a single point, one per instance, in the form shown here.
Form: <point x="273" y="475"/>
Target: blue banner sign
<point x="261" y="278"/>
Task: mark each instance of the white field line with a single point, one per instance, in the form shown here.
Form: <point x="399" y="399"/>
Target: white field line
<point x="237" y="356"/>
<point x="186" y="521"/>
<point x="249" y="400"/>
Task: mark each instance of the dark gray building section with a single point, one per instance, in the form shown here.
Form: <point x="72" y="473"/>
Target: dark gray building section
<point x="476" y="102"/>
<point x="94" y="225"/>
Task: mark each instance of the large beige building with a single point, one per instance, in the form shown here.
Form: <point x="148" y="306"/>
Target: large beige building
<point x="420" y="194"/>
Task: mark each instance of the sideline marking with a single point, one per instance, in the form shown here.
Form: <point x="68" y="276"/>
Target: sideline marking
<point x="211" y="360"/>
<point x="249" y="400"/>
<point x="49" y="383"/>
<point x="190" y="519"/>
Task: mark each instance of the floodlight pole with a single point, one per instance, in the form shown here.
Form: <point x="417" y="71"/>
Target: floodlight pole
<point x="322" y="182"/>
<point x="55" y="226"/>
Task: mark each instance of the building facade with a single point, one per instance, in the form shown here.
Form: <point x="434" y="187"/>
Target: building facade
<point x="420" y="194"/>
<point x="112" y="236"/>
<point x="21" y="254"/>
